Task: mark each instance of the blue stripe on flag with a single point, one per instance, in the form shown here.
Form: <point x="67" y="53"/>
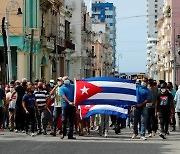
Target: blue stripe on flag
<point x="107" y="101"/>
<point x="118" y="90"/>
<point x="118" y="114"/>
<point x="109" y="79"/>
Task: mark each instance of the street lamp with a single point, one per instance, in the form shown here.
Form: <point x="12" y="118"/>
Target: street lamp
<point x="11" y="5"/>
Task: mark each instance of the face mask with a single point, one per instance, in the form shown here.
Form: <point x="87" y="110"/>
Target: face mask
<point x="66" y="82"/>
<point x="11" y="90"/>
<point x="143" y="84"/>
<point x="163" y="90"/>
<point x="51" y="85"/>
<point x="59" y="83"/>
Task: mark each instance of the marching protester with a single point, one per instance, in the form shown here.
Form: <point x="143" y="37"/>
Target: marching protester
<point x="143" y="95"/>
<point x="173" y="92"/>
<point x="12" y="105"/>
<point x="151" y="119"/>
<point x="68" y="107"/>
<point x="164" y="108"/>
<point x="20" y="89"/>
<point x="177" y="107"/>
<point x="42" y="99"/>
<point x="104" y="125"/>
<point x="57" y="104"/>
<point x="29" y="104"/>
<point x="2" y="105"/>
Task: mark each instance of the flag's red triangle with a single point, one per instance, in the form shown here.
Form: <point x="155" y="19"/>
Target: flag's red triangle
<point x="84" y="109"/>
<point x="84" y="90"/>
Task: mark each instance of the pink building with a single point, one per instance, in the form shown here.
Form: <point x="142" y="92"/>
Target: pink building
<point x="175" y="37"/>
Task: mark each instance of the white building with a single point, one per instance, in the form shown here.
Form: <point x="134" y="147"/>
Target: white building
<point x="80" y="63"/>
<point x="154" y="10"/>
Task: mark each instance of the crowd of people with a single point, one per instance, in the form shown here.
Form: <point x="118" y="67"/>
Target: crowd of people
<point x="49" y="108"/>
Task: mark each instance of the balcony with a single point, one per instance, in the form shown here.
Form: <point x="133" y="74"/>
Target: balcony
<point x="60" y="41"/>
<point x="48" y="42"/>
<point x="46" y="4"/>
<point x="69" y="45"/>
<point x="59" y="2"/>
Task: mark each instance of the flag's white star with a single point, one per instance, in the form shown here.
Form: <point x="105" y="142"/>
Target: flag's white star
<point x="84" y="90"/>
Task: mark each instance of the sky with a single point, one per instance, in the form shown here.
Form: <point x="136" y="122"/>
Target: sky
<point x="131" y="35"/>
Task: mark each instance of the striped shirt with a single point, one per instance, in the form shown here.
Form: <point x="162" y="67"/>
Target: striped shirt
<point x="41" y="97"/>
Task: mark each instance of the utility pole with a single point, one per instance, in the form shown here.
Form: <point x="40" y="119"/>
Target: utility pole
<point x="4" y="74"/>
<point x="31" y="55"/>
<point x="174" y="72"/>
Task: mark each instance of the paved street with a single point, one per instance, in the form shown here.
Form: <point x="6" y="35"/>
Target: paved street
<point x="19" y="143"/>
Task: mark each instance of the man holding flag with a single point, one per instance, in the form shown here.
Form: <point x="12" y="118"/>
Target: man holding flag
<point x="68" y="107"/>
<point x="143" y="95"/>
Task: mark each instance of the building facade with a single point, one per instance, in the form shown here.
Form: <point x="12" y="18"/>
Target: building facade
<point x="168" y="64"/>
<point x="40" y="39"/>
<point x="154" y="11"/>
<point x="16" y="38"/>
<point x="81" y="33"/>
<point x="104" y="12"/>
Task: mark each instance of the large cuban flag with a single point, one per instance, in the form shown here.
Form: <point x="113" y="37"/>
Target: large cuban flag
<point x="106" y="91"/>
<point x="88" y="110"/>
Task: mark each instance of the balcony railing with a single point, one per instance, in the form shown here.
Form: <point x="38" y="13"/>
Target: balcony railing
<point x="69" y="45"/>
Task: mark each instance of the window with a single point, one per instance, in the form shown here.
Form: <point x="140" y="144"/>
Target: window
<point x="155" y="11"/>
<point x="156" y="5"/>
<point x="111" y="24"/>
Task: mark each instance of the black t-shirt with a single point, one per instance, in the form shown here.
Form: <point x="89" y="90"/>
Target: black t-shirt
<point x="20" y="93"/>
<point x="164" y="102"/>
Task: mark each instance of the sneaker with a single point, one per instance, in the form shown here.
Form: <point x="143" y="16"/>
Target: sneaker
<point x="105" y="134"/>
<point x="32" y="134"/>
<point x="16" y="131"/>
<point x="150" y="135"/>
<point x="23" y="131"/>
<point x="134" y="136"/>
<point x="39" y="132"/>
<point x="143" y="138"/>
<point x="162" y="136"/>
<point x="97" y="128"/>
<point x="153" y="133"/>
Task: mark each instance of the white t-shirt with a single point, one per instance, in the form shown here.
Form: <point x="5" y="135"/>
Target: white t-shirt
<point x="12" y="103"/>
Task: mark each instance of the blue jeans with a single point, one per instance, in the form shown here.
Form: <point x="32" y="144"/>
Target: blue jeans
<point x="140" y="117"/>
<point x="68" y="112"/>
<point x="56" y="113"/>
